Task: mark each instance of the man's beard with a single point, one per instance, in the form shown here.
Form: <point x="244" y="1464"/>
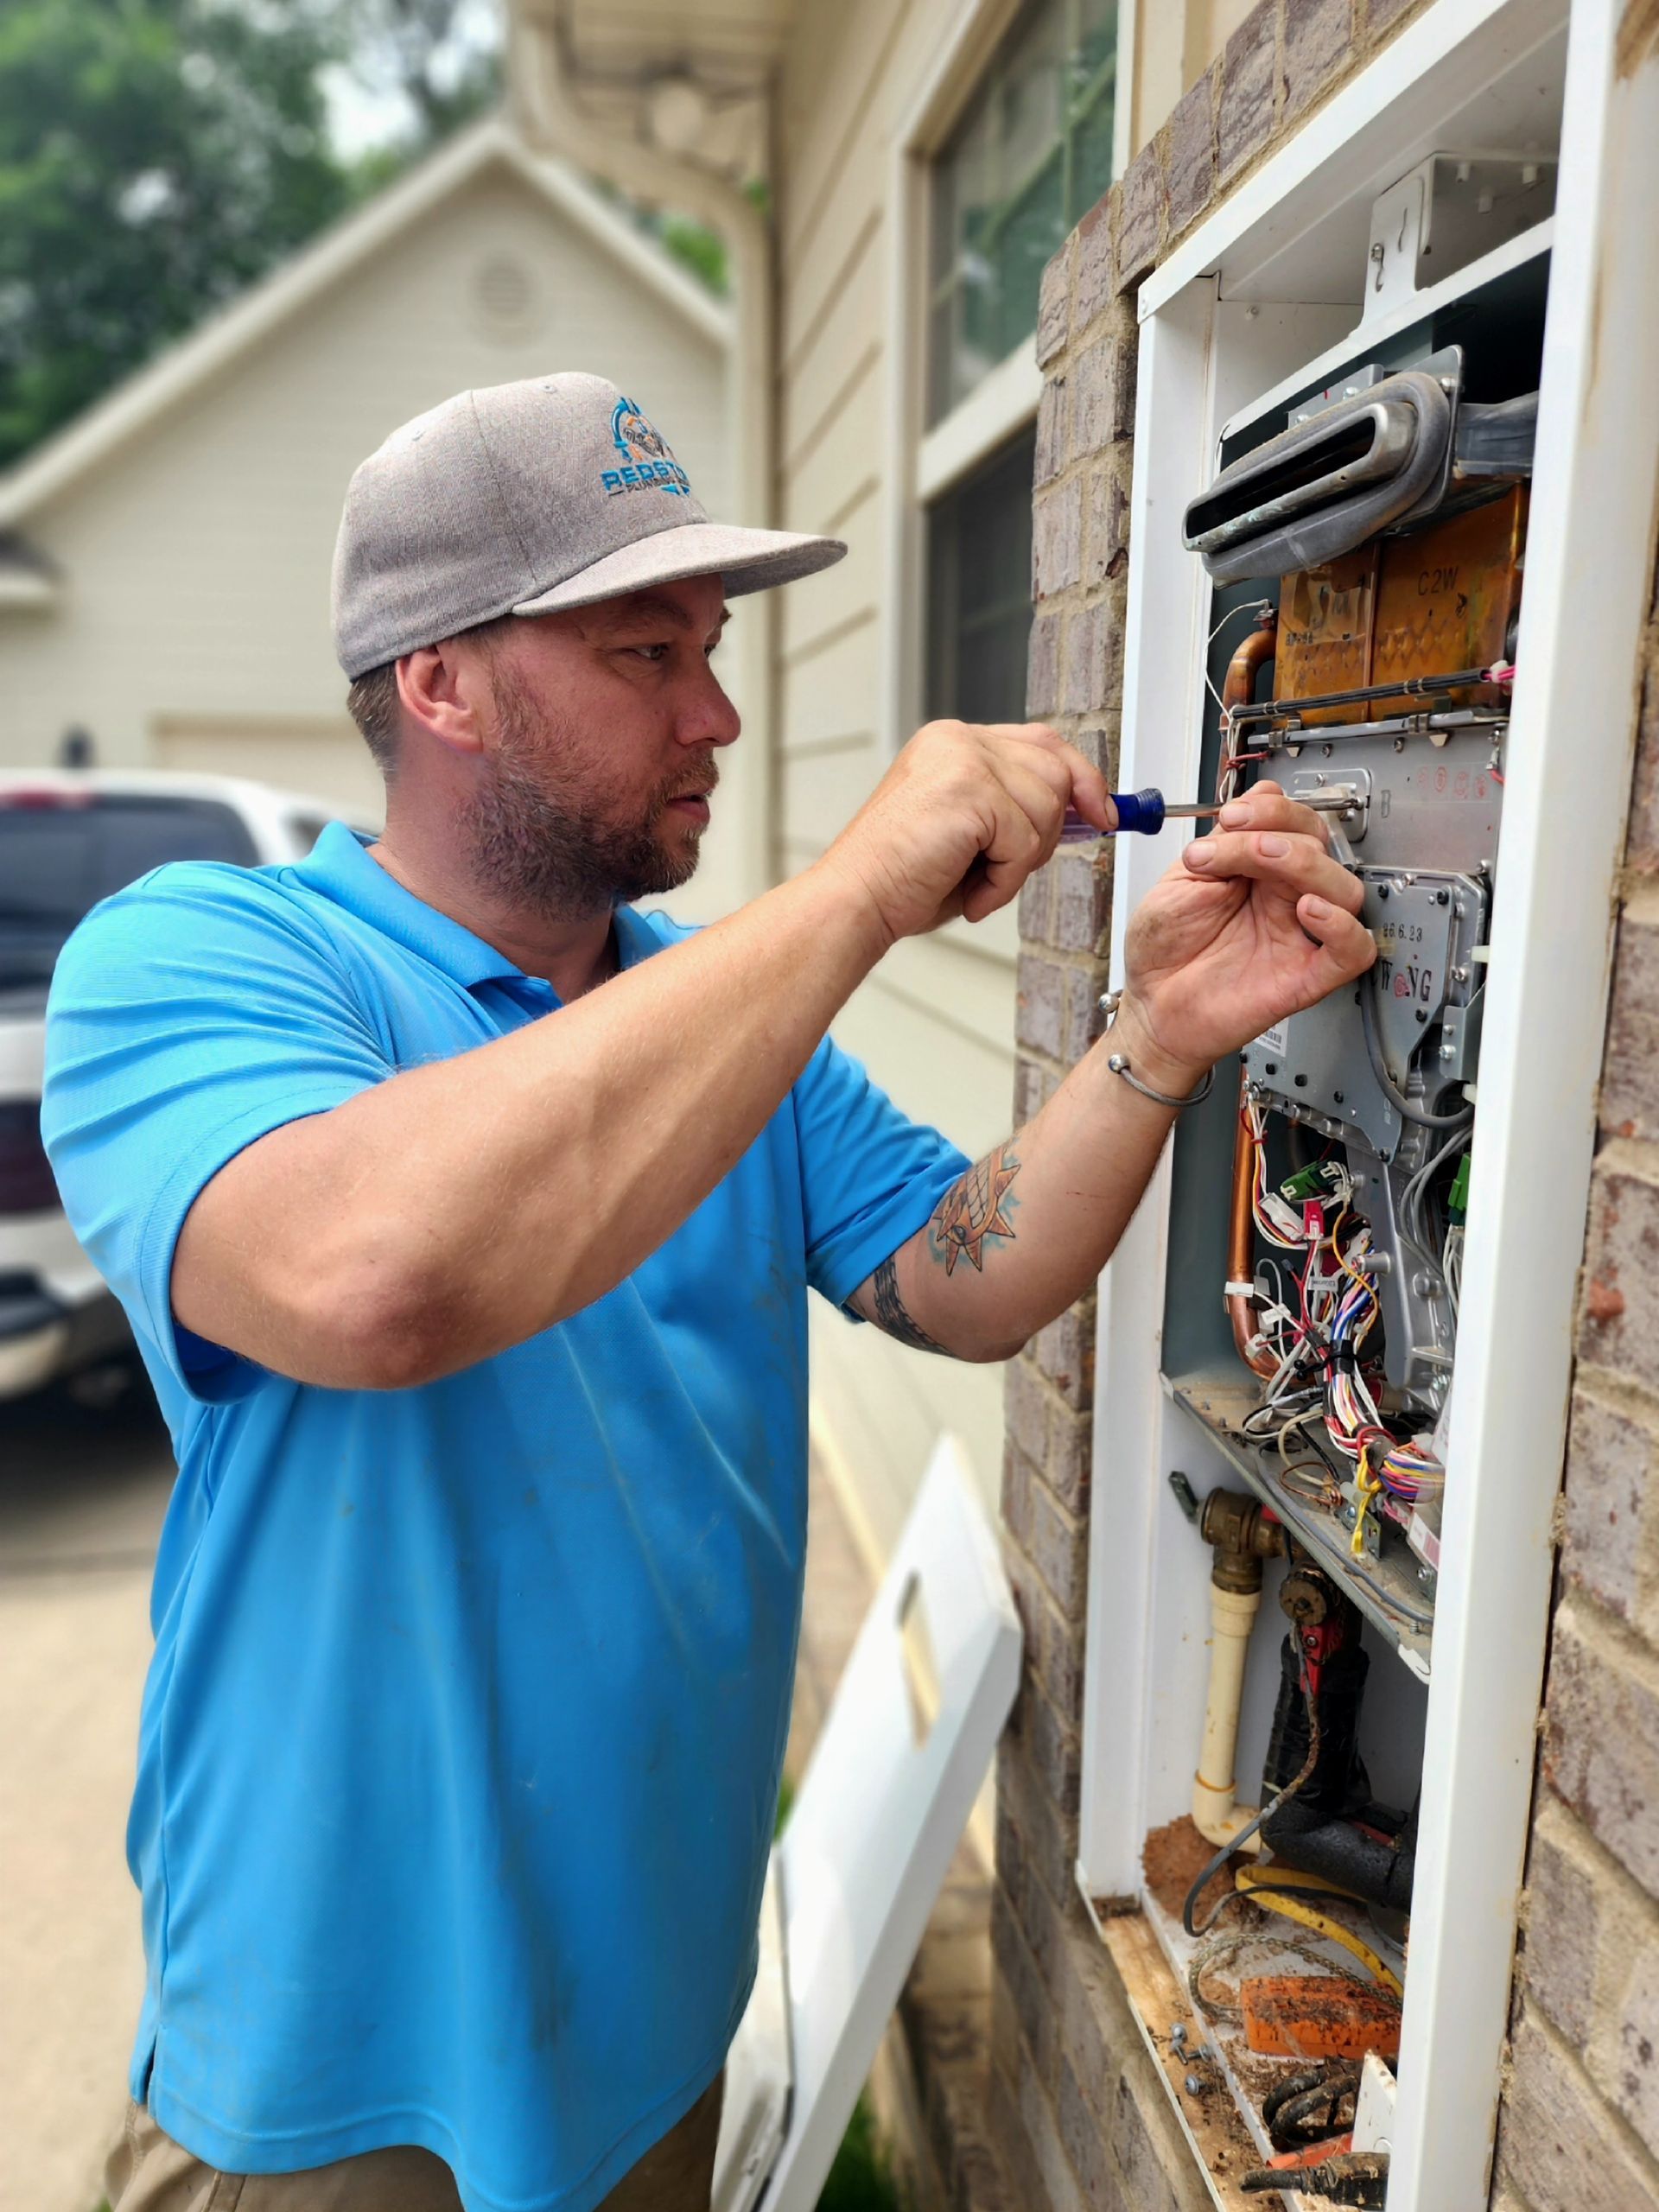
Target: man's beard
<point x="554" y="853"/>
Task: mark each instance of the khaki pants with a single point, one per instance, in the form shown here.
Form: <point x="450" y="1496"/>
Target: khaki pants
<point x="148" y="2172"/>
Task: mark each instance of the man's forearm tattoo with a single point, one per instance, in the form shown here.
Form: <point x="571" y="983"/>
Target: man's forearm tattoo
<point x="893" y="1315"/>
<point x="974" y="1209"/>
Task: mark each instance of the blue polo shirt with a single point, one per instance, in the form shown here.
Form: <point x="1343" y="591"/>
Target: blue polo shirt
<point x="460" y="1744"/>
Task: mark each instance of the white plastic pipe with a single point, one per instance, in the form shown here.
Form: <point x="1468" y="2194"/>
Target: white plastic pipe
<point x="1215" y="1814"/>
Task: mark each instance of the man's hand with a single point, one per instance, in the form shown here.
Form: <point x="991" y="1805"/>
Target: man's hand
<point x="961" y="819"/>
<point x="1254" y="922"/>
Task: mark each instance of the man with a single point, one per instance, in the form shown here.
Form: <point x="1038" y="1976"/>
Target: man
<point x="465" y="1215"/>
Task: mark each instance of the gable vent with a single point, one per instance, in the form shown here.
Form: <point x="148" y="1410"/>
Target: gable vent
<point x="507" y="298"/>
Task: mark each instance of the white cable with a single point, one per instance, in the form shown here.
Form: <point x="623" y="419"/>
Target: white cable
<point x="1245" y="607"/>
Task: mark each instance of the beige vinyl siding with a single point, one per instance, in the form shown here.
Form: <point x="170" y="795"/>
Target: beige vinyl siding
<point x="196" y="557"/>
<point x="935" y="1024"/>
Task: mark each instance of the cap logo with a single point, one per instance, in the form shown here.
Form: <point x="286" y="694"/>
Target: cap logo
<point x="646" y="463"/>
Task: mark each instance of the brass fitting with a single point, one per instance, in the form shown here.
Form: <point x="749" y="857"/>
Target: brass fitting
<point x="1242" y="1535"/>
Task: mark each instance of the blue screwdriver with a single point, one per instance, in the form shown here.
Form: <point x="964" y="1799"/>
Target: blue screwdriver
<point x="1147" y="812"/>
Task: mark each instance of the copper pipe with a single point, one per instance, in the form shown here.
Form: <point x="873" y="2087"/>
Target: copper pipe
<point x="1239" y="688"/>
<point x="1241" y="1252"/>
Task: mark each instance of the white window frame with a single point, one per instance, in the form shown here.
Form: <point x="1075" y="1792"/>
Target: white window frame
<point x="922" y="463"/>
<point x="1213" y="339"/>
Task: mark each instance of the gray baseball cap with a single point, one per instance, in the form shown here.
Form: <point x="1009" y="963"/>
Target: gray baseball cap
<point x="522" y="497"/>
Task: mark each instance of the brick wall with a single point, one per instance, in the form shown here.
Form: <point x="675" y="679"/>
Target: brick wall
<point x="1581" y="2118"/>
<point x="1078" y="2116"/>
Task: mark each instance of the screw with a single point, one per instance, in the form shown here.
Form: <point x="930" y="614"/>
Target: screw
<point x="1193" y="2087"/>
<point x="1421" y="1016"/>
<point x="1178" y="2034"/>
<point x="1399" y="743"/>
<point x="1382" y="890"/>
<point x="1440" y="898"/>
<point x="1461" y="909"/>
<point x="1459" y="974"/>
<point x="1326" y="750"/>
<point x="1301" y="1082"/>
<point x="1336" y="1094"/>
<point x="1448" y="1050"/>
<point x="1426" y="1575"/>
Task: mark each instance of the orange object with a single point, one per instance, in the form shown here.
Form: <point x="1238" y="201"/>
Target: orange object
<point x="1444" y="598"/>
<point x="1311" y="2154"/>
<point x="1326" y="616"/>
<point x="1318" y="2016"/>
<point x="1439" y="598"/>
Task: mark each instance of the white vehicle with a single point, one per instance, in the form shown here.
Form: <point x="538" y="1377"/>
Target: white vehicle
<point x="67" y="839"/>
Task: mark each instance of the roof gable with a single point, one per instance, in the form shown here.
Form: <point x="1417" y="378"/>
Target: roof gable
<point x="292" y="287"/>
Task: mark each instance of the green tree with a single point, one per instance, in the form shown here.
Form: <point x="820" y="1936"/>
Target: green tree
<point x="438" y="60"/>
<point x="158" y="155"/>
<point x="155" y="155"/>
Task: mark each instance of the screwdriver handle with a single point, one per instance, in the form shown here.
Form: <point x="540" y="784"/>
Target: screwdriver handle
<point x="1140" y="810"/>
<point x="1143" y="812"/>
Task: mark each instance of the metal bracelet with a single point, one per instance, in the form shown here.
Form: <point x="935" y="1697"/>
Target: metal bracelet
<point x="1118" y="1063"/>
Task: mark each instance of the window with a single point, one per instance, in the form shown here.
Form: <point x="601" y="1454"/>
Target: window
<point x="1031" y="153"/>
<point x="59" y="857"/>
<point x="979" y="590"/>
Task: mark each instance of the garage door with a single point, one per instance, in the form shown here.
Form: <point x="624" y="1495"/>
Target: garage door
<point x="321" y="757"/>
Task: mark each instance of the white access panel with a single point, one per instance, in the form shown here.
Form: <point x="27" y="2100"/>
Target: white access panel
<point x="760" y="2071"/>
<point x="903" y="1752"/>
<point x="1234" y="315"/>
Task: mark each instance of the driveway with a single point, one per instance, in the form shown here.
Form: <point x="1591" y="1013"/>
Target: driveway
<point x="81" y="1499"/>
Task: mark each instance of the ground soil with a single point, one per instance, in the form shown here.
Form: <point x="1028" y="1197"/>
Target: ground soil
<point x="1173" y="1859"/>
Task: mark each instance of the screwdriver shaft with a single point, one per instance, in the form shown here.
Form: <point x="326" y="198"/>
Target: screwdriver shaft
<point x="1077" y="831"/>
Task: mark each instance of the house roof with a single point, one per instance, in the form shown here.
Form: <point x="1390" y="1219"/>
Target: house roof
<point x="249" y="320"/>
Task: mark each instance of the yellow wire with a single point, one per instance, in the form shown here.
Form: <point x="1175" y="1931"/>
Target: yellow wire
<point x="1369" y="1487"/>
<point x="1322" y="1924"/>
<point x="1277" y="1876"/>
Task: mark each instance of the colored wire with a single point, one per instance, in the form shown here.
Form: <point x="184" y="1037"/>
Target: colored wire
<point x="1416" y="1189"/>
<point x="1320" y="1370"/>
<point x="1274" y="1900"/>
